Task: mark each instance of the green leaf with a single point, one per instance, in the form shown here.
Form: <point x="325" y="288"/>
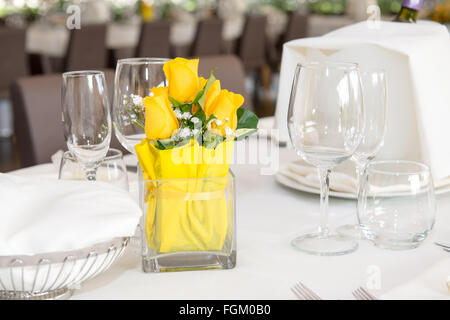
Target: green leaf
<point x="240" y="134"/>
<point x="211" y="79"/>
<point x="174" y="102"/>
<point x="199" y="95"/>
<point x="200" y="114"/>
<point x="164" y="144"/>
<point x="246" y="119"/>
<point x="210" y="140"/>
<point x="139" y="124"/>
<point x="185" y="108"/>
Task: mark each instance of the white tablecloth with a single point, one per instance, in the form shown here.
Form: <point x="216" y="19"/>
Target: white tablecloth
<point x="269" y="216"/>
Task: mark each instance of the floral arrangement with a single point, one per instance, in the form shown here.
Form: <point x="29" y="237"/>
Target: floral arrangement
<point x="190" y="128"/>
<point x="192" y="107"/>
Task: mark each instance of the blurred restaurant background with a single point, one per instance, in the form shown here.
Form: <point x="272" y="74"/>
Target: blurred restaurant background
<point x="242" y="37"/>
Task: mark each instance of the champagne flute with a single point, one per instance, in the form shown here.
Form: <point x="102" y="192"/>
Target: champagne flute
<point x="325" y="122"/>
<point x="133" y="80"/>
<point x="86" y="118"/>
<point x="374" y="93"/>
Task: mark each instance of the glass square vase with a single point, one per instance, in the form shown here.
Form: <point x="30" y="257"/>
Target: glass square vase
<point x="188" y="224"/>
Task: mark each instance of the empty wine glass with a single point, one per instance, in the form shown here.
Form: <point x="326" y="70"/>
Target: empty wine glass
<point x="325" y="122"/>
<point x="86" y="118"/>
<point x="374" y="94"/>
<point x="133" y="80"/>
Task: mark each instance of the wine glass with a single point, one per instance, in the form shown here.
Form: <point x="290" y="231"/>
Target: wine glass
<point x="86" y="118"/>
<point x="325" y="122"/>
<point x="374" y="94"/>
<point x="133" y="80"/>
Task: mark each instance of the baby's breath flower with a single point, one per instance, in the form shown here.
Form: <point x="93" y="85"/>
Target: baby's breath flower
<point x="186" y="116"/>
<point x="228" y="131"/>
<point x="195" y="131"/>
<point x="218" y="122"/>
<point x="195" y="120"/>
<point x="185" y="133"/>
<point x="137" y="100"/>
<point x="177" y="113"/>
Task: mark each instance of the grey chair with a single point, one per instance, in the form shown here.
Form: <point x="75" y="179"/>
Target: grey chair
<point x="13" y="59"/>
<point x="87" y="48"/>
<point x="296" y="28"/>
<point x="37" y="117"/>
<point x="154" y="40"/>
<point x="251" y="46"/>
<point x="208" y="39"/>
<point x="230" y="72"/>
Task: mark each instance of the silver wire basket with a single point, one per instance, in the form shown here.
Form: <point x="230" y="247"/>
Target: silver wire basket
<point x="55" y="275"/>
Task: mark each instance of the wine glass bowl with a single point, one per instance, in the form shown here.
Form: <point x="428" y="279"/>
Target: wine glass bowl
<point x="325" y="123"/>
<point x="86" y="117"/>
<point x="134" y="78"/>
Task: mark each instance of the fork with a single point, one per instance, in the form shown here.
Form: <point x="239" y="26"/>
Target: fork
<point x="363" y="294"/>
<point x="304" y="293"/>
<point x="443" y="246"/>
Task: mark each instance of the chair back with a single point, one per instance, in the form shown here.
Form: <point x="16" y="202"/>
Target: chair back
<point x="154" y="40"/>
<point x="208" y="39"/>
<point x="251" y="47"/>
<point x="297" y="27"/>
<point x="87" y="48"/>
<point x="230" y="72"/>
<point x="13" y="59"/>
<point x="37" y="117"/>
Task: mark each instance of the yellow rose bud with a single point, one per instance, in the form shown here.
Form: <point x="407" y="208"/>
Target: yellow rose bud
<point x="160" y="91"/>
<point x="202" y="82"/>
<point x="160" y="120"/>
<point x="182" y="76"/>
<point x="211" y="96"/>
<point x="224" y="108"/>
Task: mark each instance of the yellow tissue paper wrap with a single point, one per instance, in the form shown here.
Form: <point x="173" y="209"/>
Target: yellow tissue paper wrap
<point x="186" y="215"/>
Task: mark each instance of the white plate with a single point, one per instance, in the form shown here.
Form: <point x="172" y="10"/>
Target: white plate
<point x="288" y="182"/>
<point x="291" y="183"/>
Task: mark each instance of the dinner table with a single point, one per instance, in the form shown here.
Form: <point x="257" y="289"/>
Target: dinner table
<point x="269" y="215"/>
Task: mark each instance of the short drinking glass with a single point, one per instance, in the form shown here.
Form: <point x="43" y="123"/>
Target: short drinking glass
<point x="397" y="205"/>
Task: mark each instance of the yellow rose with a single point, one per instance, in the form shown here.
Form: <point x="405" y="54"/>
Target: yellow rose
<point x="211" y="96"/>
<point x="182" y="76"/>
<point x="224" y="107"/>
<point x="160" y="120"/>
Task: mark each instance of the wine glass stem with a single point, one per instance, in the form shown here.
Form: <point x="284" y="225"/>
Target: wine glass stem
<point x="324" y="176"/>
<point x="91" y="173"/>
<point x="360" y="167"/>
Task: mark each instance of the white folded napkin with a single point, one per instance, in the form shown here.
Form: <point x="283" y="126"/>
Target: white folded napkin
<point x="416" y="60"/>
<point x="431" y="284"/>
<point x="342" y="179"/>
<point x="40" y="216"/>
